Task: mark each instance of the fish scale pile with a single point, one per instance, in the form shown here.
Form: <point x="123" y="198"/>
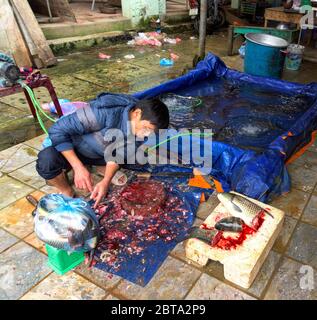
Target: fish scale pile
<point x="134" y="215"/>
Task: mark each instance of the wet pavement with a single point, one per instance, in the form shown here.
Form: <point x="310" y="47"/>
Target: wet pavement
<point x="80" y="76"/>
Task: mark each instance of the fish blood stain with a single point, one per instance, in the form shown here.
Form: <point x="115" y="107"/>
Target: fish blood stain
<point x="143" y="198"/>
<point x="228" y="243"/>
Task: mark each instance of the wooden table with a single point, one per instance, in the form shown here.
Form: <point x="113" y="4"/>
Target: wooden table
<point x="278" y="14"/>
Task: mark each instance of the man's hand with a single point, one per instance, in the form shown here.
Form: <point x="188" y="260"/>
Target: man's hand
<point x="100" y="191"/>
<point x="83" y="179"/>
<point x="101" y="188"/>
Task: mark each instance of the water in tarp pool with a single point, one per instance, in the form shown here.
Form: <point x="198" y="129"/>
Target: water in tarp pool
<point x="245" y="115"/>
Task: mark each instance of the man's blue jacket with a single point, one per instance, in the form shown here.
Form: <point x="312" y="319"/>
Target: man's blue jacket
<point x="84" y="130"/>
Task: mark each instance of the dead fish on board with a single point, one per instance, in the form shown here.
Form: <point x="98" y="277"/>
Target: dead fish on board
<point x="204" y="235"/>
<point x="233" y="224"/>
<point x="241" y="207"/>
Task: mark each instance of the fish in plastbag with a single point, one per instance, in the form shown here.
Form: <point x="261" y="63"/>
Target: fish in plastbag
<point x="66" y="223"/>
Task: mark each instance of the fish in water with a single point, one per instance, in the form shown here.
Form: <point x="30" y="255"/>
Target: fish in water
<point x="241" y="207"/>
<point x="233" y="224"/>
<point x="205" y="235"/>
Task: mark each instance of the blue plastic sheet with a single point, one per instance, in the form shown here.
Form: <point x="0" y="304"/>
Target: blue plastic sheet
<point x="256" y="169"/>
<point x="141" y="268"/>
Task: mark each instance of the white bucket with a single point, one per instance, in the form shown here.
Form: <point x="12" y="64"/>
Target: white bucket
<point x="294" y="56"/>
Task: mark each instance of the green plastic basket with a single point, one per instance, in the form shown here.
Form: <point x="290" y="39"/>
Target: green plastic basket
<point x="62" y="262"/>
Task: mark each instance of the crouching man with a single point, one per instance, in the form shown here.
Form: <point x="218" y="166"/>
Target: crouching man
<point x="78" y="140"/>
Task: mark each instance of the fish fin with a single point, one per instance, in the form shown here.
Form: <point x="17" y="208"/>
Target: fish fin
<point x="236" y="207"/>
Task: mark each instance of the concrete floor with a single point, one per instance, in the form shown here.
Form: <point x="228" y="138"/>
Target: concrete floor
<point x="80" y="76"/>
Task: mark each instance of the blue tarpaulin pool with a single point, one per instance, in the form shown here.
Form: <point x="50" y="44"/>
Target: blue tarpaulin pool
<point x="259" y="124"/>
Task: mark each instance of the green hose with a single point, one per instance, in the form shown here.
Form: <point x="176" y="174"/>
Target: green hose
<point x="37" y="106"/>
<point x="177" y="136"/>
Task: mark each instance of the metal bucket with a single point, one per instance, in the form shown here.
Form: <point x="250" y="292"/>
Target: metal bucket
<point x="264" y="55"/>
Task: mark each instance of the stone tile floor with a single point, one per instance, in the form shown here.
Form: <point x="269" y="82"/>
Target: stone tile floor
<point x="288" y="272"/>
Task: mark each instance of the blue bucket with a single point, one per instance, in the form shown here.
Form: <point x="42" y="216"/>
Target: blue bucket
<point x="264" y="55"/>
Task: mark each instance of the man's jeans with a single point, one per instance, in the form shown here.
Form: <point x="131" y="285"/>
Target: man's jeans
<point x="51" y="163"/>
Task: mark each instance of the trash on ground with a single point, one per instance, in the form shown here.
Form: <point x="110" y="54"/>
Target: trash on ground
<point x="103" y="56"/>
<point x="155" y="39"/>
<point x="166" y="62"/>
<point x="149" y="38"/>
<point x="129" y="56"/>
<point x="172" y="41"/>
<point x="174" y="56"/>
<point x="193" y="38"/>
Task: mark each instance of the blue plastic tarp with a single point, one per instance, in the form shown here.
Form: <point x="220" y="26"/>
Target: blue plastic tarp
<point x="259" y="174"/>
<point x="140" y="268"/>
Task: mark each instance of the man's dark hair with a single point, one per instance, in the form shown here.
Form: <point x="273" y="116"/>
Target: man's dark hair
<point x="155" y="111"/>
